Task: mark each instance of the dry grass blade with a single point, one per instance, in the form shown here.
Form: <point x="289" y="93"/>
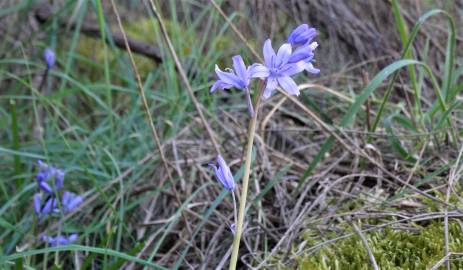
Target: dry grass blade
<point x="326" y="89"/>
<point x="184" y="77"/>
<point x="445" y="259"/>
<point x="235" y="29"/>
<point x="367" y="247"/>
<point x="154" y="132"/>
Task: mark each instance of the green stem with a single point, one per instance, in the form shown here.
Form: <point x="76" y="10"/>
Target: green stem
<point x="244" y="190"/>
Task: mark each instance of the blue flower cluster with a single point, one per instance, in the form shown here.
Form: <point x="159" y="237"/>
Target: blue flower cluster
<point x="292" y="58"/>
<point x="48" y="201"/>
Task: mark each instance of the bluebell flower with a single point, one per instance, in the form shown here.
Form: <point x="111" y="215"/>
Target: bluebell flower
<point x="43" y="208"/>
<point x="223" y="173"/>
<point x="37" y="203"/>
<point x="239" y="77"/>
<point x="303" y="56"/>
<point x="44" y="171"/>
<point x="301" y="39"/>
<point x="59" y="178"/>
<point x="49" y="56"/>
<point x="70" y="201"/>
<point x="302" y="35"/>
<point x="278" y="69"/>
<point x="47" y="172"/>
<point x="59" y="240"/>
<point x="233" y="228"/>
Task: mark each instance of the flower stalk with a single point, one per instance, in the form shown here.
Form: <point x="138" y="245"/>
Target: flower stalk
<point x="279" y="67"/>
<point x="245" y="184"/>
<point x="249" y="103"/>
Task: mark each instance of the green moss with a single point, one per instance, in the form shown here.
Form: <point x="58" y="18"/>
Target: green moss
<point x="93" y="49"/>
<point x="419" y="248"/>
<point x="144" y="30"/>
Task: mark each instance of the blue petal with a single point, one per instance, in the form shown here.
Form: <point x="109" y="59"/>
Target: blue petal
<point x="49" y="56"/>
<point x="259" y="71"/>
<point x="45" y="187"/>
<point x="302" y="35"/>
<point x="294" y="35"/>
<point x="301" y="53"/>
<point x="270" y="87"/>
<point x="62" y="241"/>
<point x="48" y="207"/>
<point x="73" y="237"/>
<point x="75" y="202"/>
<point x="229" y="78"/>
<point x="283" y="55"/>
<point x="240" y="68"/>
<point x="269" y="53"/>
<point x="42" y="176"/>
<point x="308" y="66"/>
<point x="220" y="84"/>
<point x="291" y="69"/>
<point x="71" y="201"/>
<point x="311" y="69"/>
<point x="59" y="178"/>
<point x="37" y="203"/>
<point x="224" y="174"/>
<point x="221" y="162"/>
<point x="288" y="85"/>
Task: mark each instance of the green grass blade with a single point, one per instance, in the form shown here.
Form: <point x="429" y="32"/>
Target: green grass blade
<point x="403" y="31"/>
<point x="394" y="141"/>
<point x="102" y="251"/>
<point x="407" y="48"/>
<point x="15" y="137"/>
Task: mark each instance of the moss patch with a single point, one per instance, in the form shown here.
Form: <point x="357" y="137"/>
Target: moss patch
<point x="419" y="248"/>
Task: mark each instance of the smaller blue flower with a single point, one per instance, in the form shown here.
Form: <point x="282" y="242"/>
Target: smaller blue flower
<point x="233" y="228"/>
<point x="223" y="173"/>
<point x="302" y="35"/>
<point x="42" y="207"/>
<point x="70" y="201"/>
<point x="47" y="172"/>
<point x="37" y="203"/>
<point x="59" y="178"/>
<point x="49" y="56"/>
<point x="303" y="56"/>
<point x="44" y="171"/>
<point x="238" y="78"/>
<point x="59" y="240"/>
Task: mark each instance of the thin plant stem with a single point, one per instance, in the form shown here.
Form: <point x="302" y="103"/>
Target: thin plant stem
<point x="244" y="190"/>
<point x="57" y="240"/>
<point x="249" y="103"/>
<point x="234" y="207"/>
